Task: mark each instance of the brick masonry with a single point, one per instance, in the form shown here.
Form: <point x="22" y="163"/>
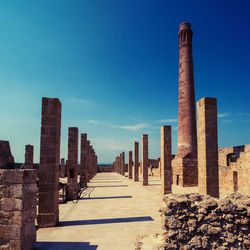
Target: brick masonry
<point x="144" y="152"/>
<point x="130" y="160"/>
<point x="166" y="157"/>
<point x="83" y="160"/>
<point x="136" y="161"/>
<point x="72" y="163"/>
<point x="48" y="212"/>
<point x="29" y="152"/>
<point x="18" y="200"/>
<point x="208" y="179"/>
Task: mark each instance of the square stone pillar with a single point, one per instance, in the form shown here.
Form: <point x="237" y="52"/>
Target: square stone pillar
<point x="88" y="161"/>
<point x="130" y="164"/>
<point x="72" y="165"/>
<point x="48" y="213"/>
<point x="123" y="163"/>
<point x="18" y="200"/>
<point x="144" y="152"/>
<point x="166" y="157"/>
<point x="136" y="161"/>
<point x="208" y="177"/>
<point x="63" y="168"/>
<point x="29" y="152"/>
<point x="83" y="161"/>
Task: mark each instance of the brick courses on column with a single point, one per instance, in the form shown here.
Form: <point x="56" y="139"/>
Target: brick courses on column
<point x="185" y="163"/>
<point x="208" y="179"/>
<point x="29" y="152"/>
<point x="123" y="163"/>
<point x="48" y="212"/>
<point x="63" y="168"/>
<point x="83" y="161"/>
<point x="166" y="157"/>
<point x="144" y="152"/>
<point x="72" y="166"/>
<point x="130" y="164"/>
<point x="88" y="161"/>
<point x="136" y="161"/>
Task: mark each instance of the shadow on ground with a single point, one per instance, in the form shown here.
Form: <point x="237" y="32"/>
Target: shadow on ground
<point x="103" y="221"/>
<point x="108" y="186"/>
<point x="111" y="197"/>
<point x="44" y="245"/>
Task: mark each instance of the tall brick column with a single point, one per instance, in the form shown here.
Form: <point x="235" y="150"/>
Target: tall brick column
<point x="185" y="163"/>
<point x="29" y="151"/>
<point x="48" y="212"/>
<point x="130" y="164"/>
<point x="88" y="162"/>
<point x="144" y="152"/>
<point x="166" y="157"/>
<point x="72" y="165"/>
<point x="83" y="161"/>
<point x="123" y="163"/>
<point x="207" y="147"/>
<point x="63" y="168"/>
<point x="136" y="161"/>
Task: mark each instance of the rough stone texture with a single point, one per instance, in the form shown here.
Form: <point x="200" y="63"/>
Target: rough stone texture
<point x="48" y="214"/>
<point x="72" y="163"/>
<point x="208" y="176"/>
<point x="6" y="158"/>
<point x="144" y="152"/>
<point x="136" y="161"/>
<point x="130" y="163"/>
<point x="196" y="221"/>
<point x="83" y="161"/>
<point x="63" y="170"/>
<point x="236" y="176"/>
<point x="123" y="163"/>
<point x="185" y="163"/>
<point x="166" y="169"/>
<point x="29" y="152"/>
<point x="18" y="200"/>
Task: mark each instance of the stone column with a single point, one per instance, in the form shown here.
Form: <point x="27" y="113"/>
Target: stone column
<point x="166" y="174"/>
<point x="144" y="152"/>
<point x="63" y="168"/>
<point x="18" y="200"/>
<point x="29" y="151"/>
<point x="48" y="212"/>
<point x="123" y="163"/>
<point x="88" y="161"/>
<point x="130" y="164"/>
<point x="185" y="163"/>
<point x="136" y="161"/>
<point x="72" y="164"/>
<point x="207" y="147"/>
<point x="83" y="161"/>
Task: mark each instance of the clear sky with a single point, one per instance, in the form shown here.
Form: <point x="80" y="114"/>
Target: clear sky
<point x="114" y="66"/>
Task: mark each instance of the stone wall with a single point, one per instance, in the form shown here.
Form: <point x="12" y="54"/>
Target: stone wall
<point x="195" y="221"/>
<point x="18" y="200"/>
<point x="198" y="221"/>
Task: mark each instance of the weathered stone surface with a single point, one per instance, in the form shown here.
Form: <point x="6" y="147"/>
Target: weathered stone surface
<point x="144" y="152"/>
<point x="6" y="158"/>
<point x="18" y="209"/>
<point x="29" y="154"/>
<point x="208" y="176"/>
<point x="83" y="160"/>
<point x="72" y="163"/>
<point x="130" y="160"/>
<point x="136" y="161"/>
<point x="166" y="157"/>
<point x="48" y="214"/>
<point x="123" y="163"/>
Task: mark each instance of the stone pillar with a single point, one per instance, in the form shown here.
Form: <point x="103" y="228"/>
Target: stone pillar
<point x="136" y="161"/>
<point x="83" y="161"/>
<point x="144" y="152"/>
<point x="88" y="161"/>
<point x="6" y="158"/>
<point x="29" y="150"/>
<point x="185" y="163"/>
<point x="123" y="163"/>
<point x="18" y="200"/>
<point x="166" y="174"/>
<point x="63" y="168"/>
<point x="72" y="166"/>
<point x="130" y="164"/>
<point x="207" y="147"/>
<point x="48" y="212"/>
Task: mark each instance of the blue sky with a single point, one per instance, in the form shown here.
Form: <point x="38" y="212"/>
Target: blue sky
<point x="114" y="66"/>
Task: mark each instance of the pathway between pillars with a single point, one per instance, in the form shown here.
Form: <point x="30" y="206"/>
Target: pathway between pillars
<point x="116" y="210"/>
